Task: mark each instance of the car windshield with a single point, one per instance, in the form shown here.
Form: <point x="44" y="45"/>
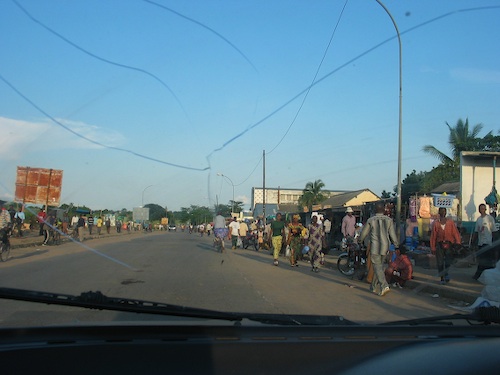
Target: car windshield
<point x="122" y="171"/>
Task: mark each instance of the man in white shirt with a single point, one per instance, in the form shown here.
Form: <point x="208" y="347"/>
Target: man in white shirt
<point x="485" y="226"/>
<point x="234" y="228"/>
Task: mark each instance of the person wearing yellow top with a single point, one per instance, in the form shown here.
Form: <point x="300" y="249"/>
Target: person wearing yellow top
<point x="99" y="225"/>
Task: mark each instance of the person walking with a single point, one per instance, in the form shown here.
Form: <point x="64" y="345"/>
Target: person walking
<point x="348" y="223"/>
<point x="277" y="233"/>
<point x="483" y="233"/>
<point x="444" y="235"/>
<point x="90" y="223"/>
<point x="108" y="225"/>
<point x="380" y="231"/>
<point x="99" y="225"/>
<point x="48" y="228"/>
<point x="220" y="230"/>
<point x="234" y="228"/>
<point x="80" y="227"/>
<point x="315" y="243"/>
<point x="294" y="239"/>
<point x="243" y="231"/>
<point x="41" y="220"/>
<point x="65" y="222"/>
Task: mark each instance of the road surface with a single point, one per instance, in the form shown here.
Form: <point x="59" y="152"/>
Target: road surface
<point x="184" y="269"/>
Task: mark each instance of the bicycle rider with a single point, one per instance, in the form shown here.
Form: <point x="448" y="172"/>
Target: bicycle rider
<point x="220" y="230"/>
<point x="4" y="218"/>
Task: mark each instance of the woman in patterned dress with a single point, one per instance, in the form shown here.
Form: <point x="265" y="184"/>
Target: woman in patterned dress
<point x="316" y="238"/>
<point x="294" y="239"/>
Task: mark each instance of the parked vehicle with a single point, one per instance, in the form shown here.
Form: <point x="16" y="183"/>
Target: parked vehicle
<point x="352" y="262"/>
<point x="251" y="240"/>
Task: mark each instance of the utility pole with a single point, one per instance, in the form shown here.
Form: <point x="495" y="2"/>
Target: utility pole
<point x="400" y="130"/>
<point x="264" y="186"/>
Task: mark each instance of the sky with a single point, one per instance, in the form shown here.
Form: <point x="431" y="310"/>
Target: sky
<point x="175" y="102"/>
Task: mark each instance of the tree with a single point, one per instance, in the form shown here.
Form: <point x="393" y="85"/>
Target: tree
<point x="238" y="206"/>
<point x="460" y="139"/>
<point x="412" y="184"/>
<point x="439" y="175"/>
<point x="156" y="212"/>
<point x="312" y="194"/>
<point x="490" y="142"/>
<point x="194" y="215"/>
<point x="385" y="194"/>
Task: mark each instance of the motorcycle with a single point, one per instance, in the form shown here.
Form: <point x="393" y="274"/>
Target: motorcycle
<point x="352" y="262"/>
<point x="251" y="240"/>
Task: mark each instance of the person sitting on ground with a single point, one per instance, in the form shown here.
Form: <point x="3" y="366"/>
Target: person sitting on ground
<point x="400" y="270"/>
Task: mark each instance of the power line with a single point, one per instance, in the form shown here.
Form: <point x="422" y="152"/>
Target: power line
<point x="314" y="79"/>
<point x="93" y="55"/>
<point x="206" y="28"/>
<point x="67" y="128"/>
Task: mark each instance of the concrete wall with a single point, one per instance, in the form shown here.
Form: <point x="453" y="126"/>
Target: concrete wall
<point x="476" y="181"/>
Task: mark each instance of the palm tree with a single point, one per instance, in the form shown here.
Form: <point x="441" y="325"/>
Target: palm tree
<point x="312" y="194"/>
<point x="460" y="139"/>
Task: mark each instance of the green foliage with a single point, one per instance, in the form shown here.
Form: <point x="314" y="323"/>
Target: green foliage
<point x="156" y="212"/>
<point x="238" y="206"/>
<point x="224" y="209"/>
<point x="312" y="194"/>
<point x="386" y="195"/>
<point x="194" y="215"/>
<point x="438" y="176"/>
<point x="461" y="138"/>
<point x="489" y="142"/>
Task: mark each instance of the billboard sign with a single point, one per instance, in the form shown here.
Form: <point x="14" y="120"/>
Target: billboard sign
<point x="140" y="214"/>
<point x="38" y="186"/>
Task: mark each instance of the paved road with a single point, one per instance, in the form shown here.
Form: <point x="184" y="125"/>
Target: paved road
<point x="184" y="269"/>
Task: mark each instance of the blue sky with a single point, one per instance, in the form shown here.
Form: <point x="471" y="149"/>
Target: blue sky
<point x="147" y="101"/>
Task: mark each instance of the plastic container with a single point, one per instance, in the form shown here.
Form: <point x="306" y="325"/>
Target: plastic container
<point x="441" y="200"/>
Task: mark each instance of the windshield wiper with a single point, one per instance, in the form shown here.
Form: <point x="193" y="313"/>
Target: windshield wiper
<point x="481" y="315"/>
<point x="98" y="301"/>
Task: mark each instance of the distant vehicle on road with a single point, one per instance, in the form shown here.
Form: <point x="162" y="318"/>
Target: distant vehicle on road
<point x="172" y="227"/>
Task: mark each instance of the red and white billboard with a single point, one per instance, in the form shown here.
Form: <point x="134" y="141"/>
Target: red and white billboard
<point x="38" y="186"/>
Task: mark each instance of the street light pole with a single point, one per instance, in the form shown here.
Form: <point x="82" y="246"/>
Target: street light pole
<point x="400" y="138"/>
<point x="143" y="194"/>
<point x="222" y="175"/>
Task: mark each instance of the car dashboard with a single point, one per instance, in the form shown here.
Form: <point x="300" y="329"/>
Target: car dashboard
<point x="250" y="349"/>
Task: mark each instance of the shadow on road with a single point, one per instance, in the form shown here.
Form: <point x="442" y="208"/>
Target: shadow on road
<point x="30" y="254"/>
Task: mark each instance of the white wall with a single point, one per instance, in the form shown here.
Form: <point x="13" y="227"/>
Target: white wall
<point x="476" y="181"/>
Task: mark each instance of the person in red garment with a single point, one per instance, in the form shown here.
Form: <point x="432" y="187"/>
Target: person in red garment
<point x="400" y="270"/>
<point x="443" y="236"/>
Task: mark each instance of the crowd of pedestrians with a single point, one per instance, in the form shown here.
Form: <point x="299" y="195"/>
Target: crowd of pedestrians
<point x="297" y="241"/>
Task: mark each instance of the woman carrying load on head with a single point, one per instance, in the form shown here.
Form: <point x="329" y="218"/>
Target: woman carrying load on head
<point x="294" y="239"/>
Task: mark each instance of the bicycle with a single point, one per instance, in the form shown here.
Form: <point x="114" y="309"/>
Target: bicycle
<point x="5" y="242"/>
